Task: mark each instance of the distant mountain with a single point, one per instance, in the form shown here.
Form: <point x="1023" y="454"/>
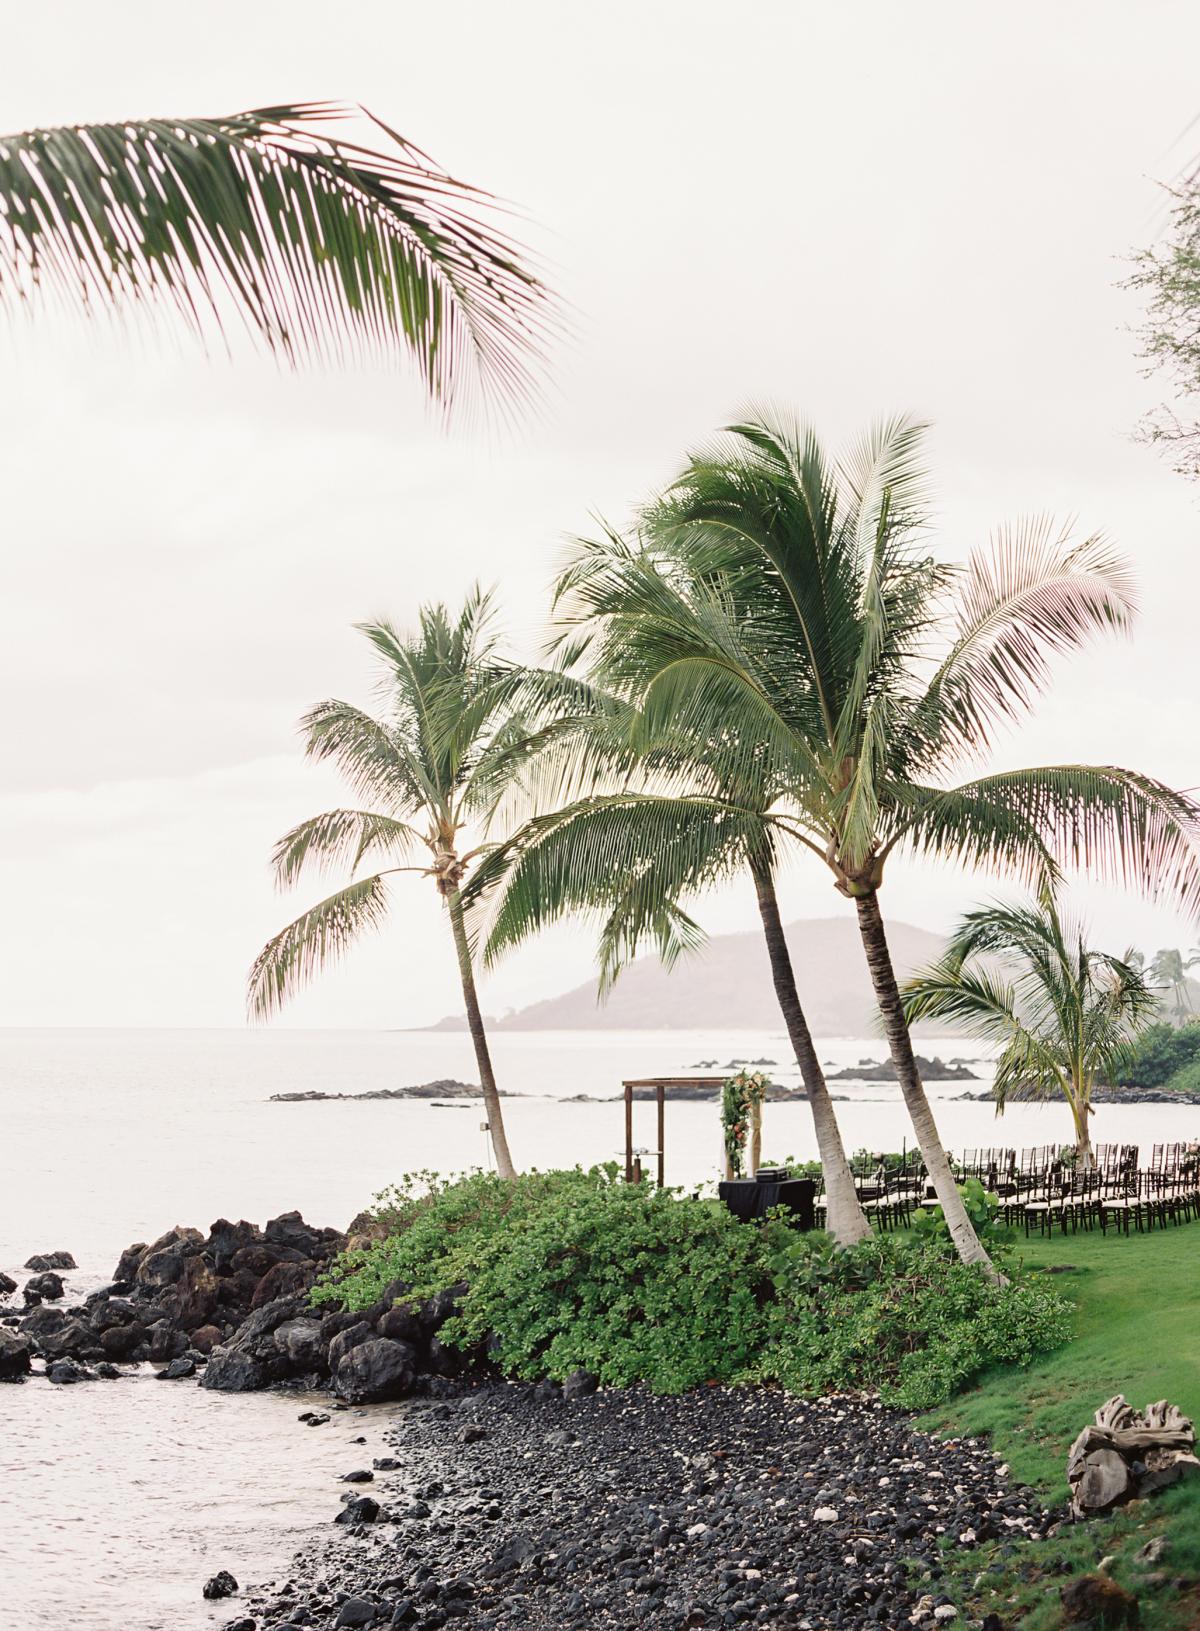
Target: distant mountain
<point x="728" y="986"/>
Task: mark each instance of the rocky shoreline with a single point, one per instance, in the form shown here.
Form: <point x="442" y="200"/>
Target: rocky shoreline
<point x="509" y="1506"/>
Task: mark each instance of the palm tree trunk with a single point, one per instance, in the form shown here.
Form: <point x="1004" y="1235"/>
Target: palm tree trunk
<point x="844" y="1216"/>
<point x="1085" y="1160"/>
<point x="895" y="1027"/>
<point x="483" y="1058"/>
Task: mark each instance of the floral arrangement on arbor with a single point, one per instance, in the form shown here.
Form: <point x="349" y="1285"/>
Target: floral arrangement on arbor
<point x="741" y="1119"/>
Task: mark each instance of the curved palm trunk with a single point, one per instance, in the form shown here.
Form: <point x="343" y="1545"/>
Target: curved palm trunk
<point x="844" y="1216"/>
<point x="895" y="1027"/>
<point x="483" y="1058"/>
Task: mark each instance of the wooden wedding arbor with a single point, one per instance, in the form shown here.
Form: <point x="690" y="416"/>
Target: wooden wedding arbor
<point x="660" y="1084"/>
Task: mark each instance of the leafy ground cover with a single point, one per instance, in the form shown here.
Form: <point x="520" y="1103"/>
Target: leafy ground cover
<point x="1137" y="1333"/>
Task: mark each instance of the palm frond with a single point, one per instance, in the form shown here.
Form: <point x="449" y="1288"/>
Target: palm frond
<point x="321" y="245"/>
<point x="315" y="939"/>
<point x="376" y="758"/>
<point x="979" y="1002"/>
<point x="1064" y="1012"/>
<point x="339" y="838"/>
<point x="965" y="824"/>
<point x="673" y="932"/>
<point x="1035" y="593"/>
<point x="888" y="480"/>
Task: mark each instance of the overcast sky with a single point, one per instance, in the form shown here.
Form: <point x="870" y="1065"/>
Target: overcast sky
<point x="853" y="208"/>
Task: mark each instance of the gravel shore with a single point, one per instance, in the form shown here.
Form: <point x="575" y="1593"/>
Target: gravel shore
<point x="509" y="1506"/>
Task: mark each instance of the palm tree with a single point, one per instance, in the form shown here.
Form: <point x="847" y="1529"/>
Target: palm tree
<point x="443" y="755"/>
<point x="827" y="635"/>
<point x="702" y="814"/>
<point x="1065" y="1018"/>
<point x="892" y="671"/>
<point x="318" y="244"/>
<point x="1169" y="968"/>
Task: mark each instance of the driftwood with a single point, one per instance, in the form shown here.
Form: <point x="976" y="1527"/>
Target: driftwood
<point x="1127" y="1454"/>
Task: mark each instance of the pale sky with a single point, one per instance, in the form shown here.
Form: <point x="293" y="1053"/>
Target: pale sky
<point x="853" y="209"/>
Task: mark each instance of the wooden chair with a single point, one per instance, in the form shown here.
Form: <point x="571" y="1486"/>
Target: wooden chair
<point x="891" y="1206"/>
<point x="1046" y="1204"/>
<point x="1123" y="1201"/>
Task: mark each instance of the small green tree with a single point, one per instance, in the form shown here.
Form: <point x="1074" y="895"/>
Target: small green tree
<point x="1065" y="1016"/>
<point x="1162" y="1051"/>
<point x="435" y="765"/>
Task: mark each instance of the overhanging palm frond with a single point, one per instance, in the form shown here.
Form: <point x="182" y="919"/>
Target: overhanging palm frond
<point x="315" y="939"/>
<point x="1100" y="819"/>
<point x="673" y="931"/>
<point x="321" y="245"/>
<point x="339" y="838"/>
<point x="964" y="824"/>
<point x="633" y="853"/>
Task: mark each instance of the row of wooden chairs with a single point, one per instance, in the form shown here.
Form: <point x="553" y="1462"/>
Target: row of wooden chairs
<point x="1039" y="1189"/>
<point x="1140" y="1200"/>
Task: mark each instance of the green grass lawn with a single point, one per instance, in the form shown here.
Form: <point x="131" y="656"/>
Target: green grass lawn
<point x="1138" y="1333"/>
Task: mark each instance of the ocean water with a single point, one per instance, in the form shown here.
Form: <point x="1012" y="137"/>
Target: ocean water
<point x="117" y="1500"/>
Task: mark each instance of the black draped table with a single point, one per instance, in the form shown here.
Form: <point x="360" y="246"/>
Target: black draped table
<point x="754" y="1197"/>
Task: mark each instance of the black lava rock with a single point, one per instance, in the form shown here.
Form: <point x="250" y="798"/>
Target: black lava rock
<point x="15" y="1352"/>
<point x="374" y="1370"/>
<point x="361" y="1510"/>
<point x="222" y="1584"/>
<point x="177" y="1369"/>
<point x="42" y="1261"/>
<point x="622" y="1511"/>
<point x="356" y="1611"/>
<point x="579" y="1384"/>
<point x="46" y="1287"/>
<point x="65" y="1371"/>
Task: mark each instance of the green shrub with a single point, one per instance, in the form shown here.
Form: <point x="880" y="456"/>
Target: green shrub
<point x="575" y="1270"/>
<point x="571" y="1270"/>
<point x="982" y="1208"/>
<point x="910" y="1321"/>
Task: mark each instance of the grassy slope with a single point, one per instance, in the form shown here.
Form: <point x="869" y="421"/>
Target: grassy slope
<point x="1138" y="1333"/>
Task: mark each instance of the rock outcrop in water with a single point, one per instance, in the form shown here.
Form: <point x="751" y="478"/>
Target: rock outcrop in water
<point x="185" y="1292"/>
<point x="41" y="1261"/>
<point x="15" y="1352"/>
<point x="446" y="1088"/>
<point x="884" y="1070"/>
<point x="234" y="1305"/>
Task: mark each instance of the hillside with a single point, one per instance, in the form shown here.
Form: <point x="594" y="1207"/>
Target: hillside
<point x="729" y="986"/>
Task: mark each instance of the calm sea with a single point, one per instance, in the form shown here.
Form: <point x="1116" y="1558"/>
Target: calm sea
<point x="117" y="1500"/>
